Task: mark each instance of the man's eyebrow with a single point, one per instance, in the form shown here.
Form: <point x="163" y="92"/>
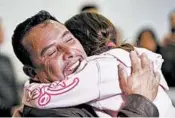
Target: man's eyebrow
<point x="45" y="48"/>
<point x="65" y="33"/>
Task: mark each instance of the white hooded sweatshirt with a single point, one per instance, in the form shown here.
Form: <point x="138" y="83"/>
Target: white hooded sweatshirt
<point x="96" y="82"/>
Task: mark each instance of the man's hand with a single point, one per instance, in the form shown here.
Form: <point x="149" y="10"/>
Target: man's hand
<point x="143" y="80"/>
<point x="17" y="112"/>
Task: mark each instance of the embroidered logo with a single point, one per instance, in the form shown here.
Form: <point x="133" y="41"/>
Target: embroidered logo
<point x="45" y="93"/>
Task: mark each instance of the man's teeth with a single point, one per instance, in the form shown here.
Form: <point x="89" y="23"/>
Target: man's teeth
<point x="74" y="65"/>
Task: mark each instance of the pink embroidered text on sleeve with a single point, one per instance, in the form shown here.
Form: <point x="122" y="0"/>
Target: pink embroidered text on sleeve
<point x="44" y="94"/>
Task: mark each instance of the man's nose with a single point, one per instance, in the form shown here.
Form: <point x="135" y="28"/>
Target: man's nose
<point x="68" y="53"/>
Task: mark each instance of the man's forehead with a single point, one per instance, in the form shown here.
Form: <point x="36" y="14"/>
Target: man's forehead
<point x="43" y="31"/>
<point x="47" y="27"/>
<point x="51" y="23"/>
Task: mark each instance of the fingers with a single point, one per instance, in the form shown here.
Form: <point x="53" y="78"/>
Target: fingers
<point x="135" y="62"/>
<point x="157" y="75"/>
<point x="145" y="61"/>
<point x="122" y="77"/>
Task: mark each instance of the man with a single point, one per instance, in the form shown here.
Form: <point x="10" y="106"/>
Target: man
<point x="168" y="51"/>
<point x="49" y="52"/>
<point x="8" y="87"/>
<point x="89" y="8"/>
<point x="170" y="38"/>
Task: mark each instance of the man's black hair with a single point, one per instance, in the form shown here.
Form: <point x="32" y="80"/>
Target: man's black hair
<point x="23" y="28"/>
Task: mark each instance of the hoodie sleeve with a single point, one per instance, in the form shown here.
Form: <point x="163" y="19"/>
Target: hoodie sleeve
<point x="94" y="81"/>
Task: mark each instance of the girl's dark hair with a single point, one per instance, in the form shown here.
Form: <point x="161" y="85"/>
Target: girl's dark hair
<point x="93" y="31"/>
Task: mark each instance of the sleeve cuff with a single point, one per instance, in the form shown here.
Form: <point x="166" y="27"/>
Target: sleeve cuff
<point x="138" y="105"/>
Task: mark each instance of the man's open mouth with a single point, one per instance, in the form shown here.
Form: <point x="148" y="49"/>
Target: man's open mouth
<point x="72" y="68"/>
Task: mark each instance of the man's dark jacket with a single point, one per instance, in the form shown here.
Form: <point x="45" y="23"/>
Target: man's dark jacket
<point x="136" y="106"/>
<point x="168" y="66"/>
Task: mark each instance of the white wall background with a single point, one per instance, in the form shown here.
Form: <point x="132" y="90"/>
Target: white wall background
<point x="128" y="15"/>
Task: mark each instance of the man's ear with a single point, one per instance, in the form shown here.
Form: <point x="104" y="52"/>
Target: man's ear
<point x="29" y="71"/>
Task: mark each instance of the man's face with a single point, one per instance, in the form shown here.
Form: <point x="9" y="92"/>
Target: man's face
<point x="54" y="51"/>
<point x="94" y="10"/>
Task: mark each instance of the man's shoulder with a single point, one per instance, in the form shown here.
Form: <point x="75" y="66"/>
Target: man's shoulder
<point x="74" y="111"/>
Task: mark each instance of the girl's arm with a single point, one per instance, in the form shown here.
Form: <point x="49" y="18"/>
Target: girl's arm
<point x="97" y="80"/>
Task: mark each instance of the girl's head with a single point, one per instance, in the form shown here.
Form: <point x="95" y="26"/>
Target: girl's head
<point x="95" y="32"/>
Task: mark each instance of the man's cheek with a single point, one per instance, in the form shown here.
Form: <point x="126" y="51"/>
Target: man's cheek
<point x="42" y="76"/>
<point x="52" y="67"/>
